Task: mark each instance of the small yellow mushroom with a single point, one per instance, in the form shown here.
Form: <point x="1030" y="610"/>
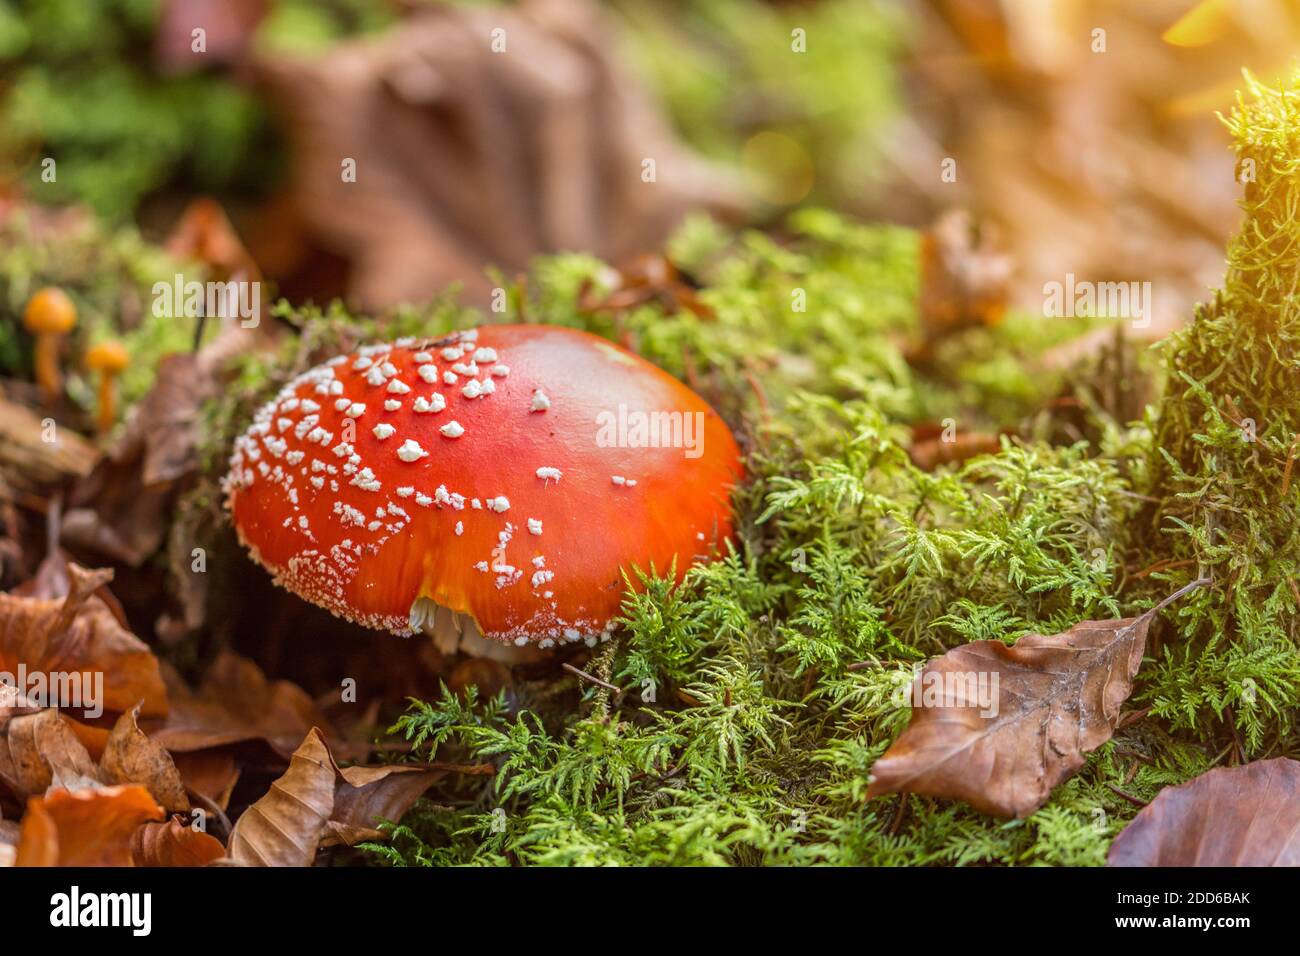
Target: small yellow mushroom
<point x="109" y="359"/>
<point x="50" y="316"/>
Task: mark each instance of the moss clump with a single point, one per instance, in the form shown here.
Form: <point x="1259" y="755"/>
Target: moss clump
<point x="1225" y="458"/>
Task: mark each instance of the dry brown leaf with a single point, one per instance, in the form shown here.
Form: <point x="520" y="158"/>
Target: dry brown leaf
<point x="647" y="278"/>
<point x="211" y="774"/>
<point x="235" y="703"/>
<point x="1230" y="816"/>
<point x="204" y="232"/>
<point x="1055" y="698"/>
<point x="344" y="834"/>
<point x="29" y="462"/>
<point x="92" y="738"/>
<point x="81" y="634"/>
<point x="173" y="844"/>
<point x="964" y="276"/>
<point x="90" y="827"/>
<point x="123" y="507"/>
<point x="367" y="795"/>
<point x="284" y="827"/>
<point x="130" y="756"/>
<point x="930" y="448"/>
<point x="40" y="751"/>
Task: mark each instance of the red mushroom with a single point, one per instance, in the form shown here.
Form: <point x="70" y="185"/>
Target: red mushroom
<point x="501" y="478"/>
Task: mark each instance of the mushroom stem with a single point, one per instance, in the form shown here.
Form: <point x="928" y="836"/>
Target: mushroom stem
<point x="48" y="374"/>
<point x="106" y="413"/>
<point x="109" y="359"/>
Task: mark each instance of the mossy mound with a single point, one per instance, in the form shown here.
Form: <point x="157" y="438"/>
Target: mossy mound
<point x="759" y="692"/>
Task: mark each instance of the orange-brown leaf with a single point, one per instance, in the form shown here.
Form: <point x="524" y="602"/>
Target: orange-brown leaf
<point x="1231" y="816"/>
<point x="80" y="635"/>
<point x="173" y="844"/>
<point x="91" y="827"/>
<point x="210" y="773"/>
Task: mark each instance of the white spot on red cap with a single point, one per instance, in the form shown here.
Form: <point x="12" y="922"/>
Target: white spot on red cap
<point x="411" y="451"/>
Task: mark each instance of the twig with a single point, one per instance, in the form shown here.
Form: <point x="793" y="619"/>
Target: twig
<point x="899" y="813"/>
<point x="1240" y="753"/>
<point x="199" y="323"/>
<point x="1125" y="752"/>
<point x="1136" y="801"/>
<point x="1184" y="590"/>
<point x="1139" y="496"/>
<point x="1132" y="717"/>
<point x="473" y="769"/>
<point x="211" y="807"/>
<point x="1164" y="564"/>
<point x="1290" y="464"/>
<point x="591" y="678"/>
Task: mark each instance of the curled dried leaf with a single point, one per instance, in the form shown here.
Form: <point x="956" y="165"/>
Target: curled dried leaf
<point x="40" y="751"/>
<point x="365" y="796"/>
<point x="284" y="827"/>
<point x="234" y="703"/>
<point x="130" y="756"/>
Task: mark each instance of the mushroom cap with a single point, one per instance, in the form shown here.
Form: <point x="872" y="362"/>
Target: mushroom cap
<point x="50" y="312"/>
<point x="109" y="356"/>
<point x="510" y="473"/>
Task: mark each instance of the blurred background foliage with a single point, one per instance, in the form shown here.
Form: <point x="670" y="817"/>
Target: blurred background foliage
<point x="94" y="86"/>
<point x="77" y="84"/>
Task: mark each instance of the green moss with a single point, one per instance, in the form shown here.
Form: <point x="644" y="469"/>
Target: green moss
<point x="1226" y="440"/>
